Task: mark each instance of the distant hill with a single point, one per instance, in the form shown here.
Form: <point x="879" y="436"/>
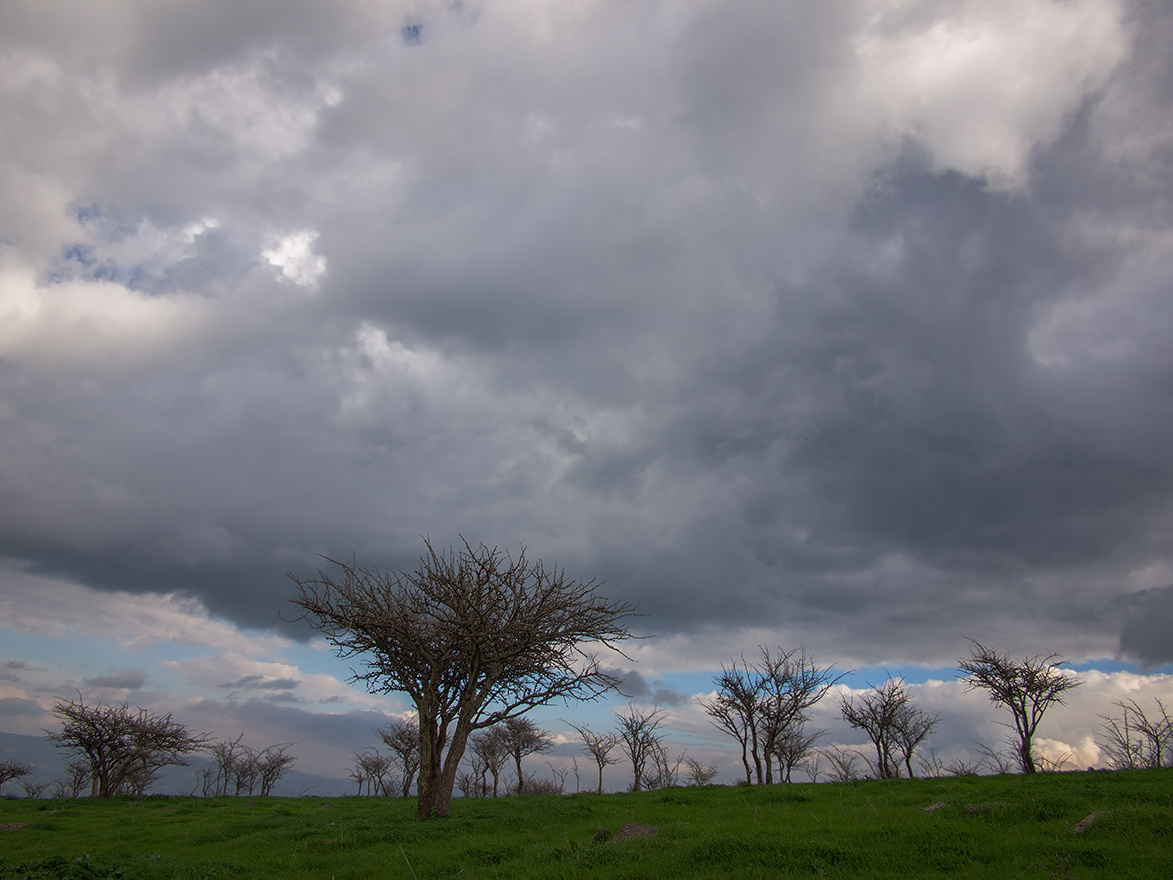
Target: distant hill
<point x="49" y="763"/>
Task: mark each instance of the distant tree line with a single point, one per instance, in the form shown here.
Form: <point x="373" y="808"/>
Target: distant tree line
<point x="477" y="638"/>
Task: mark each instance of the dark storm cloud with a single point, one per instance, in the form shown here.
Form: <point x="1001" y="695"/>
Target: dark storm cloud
<point x="636" y="687"/>
<point x="1148" y="633"/>
<point x="760" y="328"/>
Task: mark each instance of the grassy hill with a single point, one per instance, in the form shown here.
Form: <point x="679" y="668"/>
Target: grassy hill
<point x="1005" y="826"/>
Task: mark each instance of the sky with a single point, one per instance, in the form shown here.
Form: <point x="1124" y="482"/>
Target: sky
<point x="841" y="325"/>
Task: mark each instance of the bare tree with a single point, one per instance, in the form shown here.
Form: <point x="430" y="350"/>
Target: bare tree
<point x="488" y="746"/>
<point x="402" y="737"/>
<point x="559" y="776"/>
<point x="759" y="703"/>
<point x="13" y="770"/>
<point x="1135" y="740"/>
<point x="639" y="738"/>
<point x="912" y="728"/>
<point x="358" y="772"/>
<point x="698" y="773"/>
<point x="599" y="746"/>
<point x="371" y="768"/>
<point x="124" y="750"/>
<point x="469" y="783"/>
<point x="665" y="772"/>
<point x="793" y="747"/>
<point x="473" y="636"/>
<point x="521" y="737"/>
<point x="1027" y="687"/>
<point x="77" y="775"/>
<point x="893" y="724"/>
<point x="734" y="710"/>
<point x="273" y="763"/>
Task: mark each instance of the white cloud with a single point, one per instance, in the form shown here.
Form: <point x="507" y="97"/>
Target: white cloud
<point x="294" y="258"/>
<point x="980" y="83"/>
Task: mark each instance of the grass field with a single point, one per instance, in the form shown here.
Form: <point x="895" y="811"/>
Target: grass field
<point x="1006" y="826"/>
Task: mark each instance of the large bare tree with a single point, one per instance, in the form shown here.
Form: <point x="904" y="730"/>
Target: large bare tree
<point x="1027" y="687"/>
<point x="124" y="749"/>
<point x="473" y="636"/>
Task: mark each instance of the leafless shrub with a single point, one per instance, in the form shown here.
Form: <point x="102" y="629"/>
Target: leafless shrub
<point x="1135" y="740"/>
<point x="698" y="773"/>
<point x="843" y="763"/>
<point x="33" y="789"/>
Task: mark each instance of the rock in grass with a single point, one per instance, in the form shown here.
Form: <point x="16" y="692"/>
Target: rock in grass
<point x="601" y="836"/>
<point x="931" y="807"/>
<point x="1082" y="825"/>
<point x="632" y="830"/>
<point x="982" y="808"/>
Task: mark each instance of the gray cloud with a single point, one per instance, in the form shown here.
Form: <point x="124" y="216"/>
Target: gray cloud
<point x="707" y="304"/>
<point x="1146" y="633"/>
<point x="125" y="679"/>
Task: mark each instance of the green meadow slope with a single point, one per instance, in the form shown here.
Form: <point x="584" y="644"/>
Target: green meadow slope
<point x="1006" y="826"/>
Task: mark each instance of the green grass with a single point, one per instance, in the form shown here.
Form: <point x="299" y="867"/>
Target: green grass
<point x="866" y="829"/>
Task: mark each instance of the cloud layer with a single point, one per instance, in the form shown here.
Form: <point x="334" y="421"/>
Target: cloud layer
<point x="848" y="322"/>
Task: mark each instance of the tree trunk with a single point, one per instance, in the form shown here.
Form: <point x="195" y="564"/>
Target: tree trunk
<point x="430" y="770"/>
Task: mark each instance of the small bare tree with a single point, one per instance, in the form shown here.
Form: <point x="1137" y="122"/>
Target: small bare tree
<point x="665" y="771"/>
<point x="1135" y="740"/>
<point x="521" y="737"/>
<point x="402" y="737"/>
<point x="893" y="724"/>
<point x="639" y="738"/>
<point x="371" y="767"/>
<point x="273" y="763"/>
<point x="1027" y="687"/>
<point x="760" y="703"/>
<point x="598" y="746"/>
<point x="10" y="770"/>
<point x="473" y="636"/>
<point x="124" y="750"/>
<point x="793" y="747"/>
<point x="558" y="775"/>
<point x="75" y="779"/>
<point x="488" y="746"/>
